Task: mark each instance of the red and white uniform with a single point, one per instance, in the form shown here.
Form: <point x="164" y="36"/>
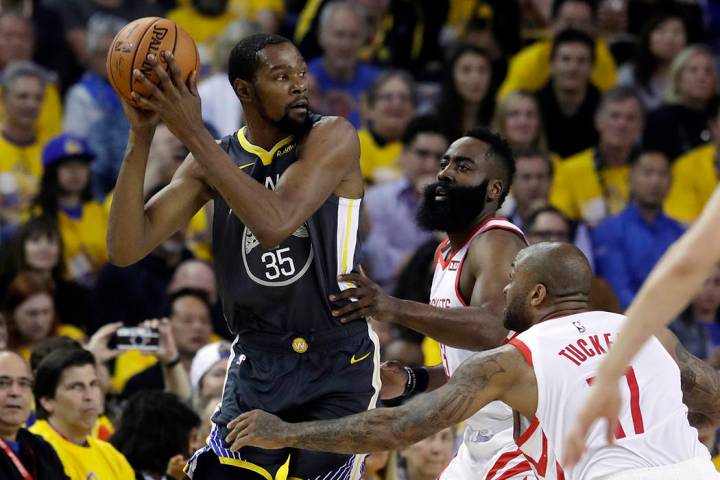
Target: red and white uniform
<point x="488" y="450"/>
<point x="654" y="435"/>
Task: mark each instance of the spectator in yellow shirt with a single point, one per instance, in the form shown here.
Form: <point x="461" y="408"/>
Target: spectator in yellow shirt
<point x="391" y="103"/>
<point x="696" y="174"/>
<point x="594" y="183"/>
<point x="530" y="68"/>
<point x="20" y="144"/>
<point x="17" y="43"/>
<point x="66" y="195"/>
<point x="69" y="401"/>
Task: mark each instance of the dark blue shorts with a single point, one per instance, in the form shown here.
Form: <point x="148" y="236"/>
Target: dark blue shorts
<point x="326" y="376"/>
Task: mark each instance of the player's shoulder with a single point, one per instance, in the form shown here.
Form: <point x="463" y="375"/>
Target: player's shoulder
<point x="329" y="124"/>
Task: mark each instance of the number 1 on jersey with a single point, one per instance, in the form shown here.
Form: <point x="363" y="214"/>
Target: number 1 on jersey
<point x="635" y="412"/>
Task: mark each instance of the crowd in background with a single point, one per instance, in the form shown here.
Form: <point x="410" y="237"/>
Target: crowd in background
<point x="612" y="108"/>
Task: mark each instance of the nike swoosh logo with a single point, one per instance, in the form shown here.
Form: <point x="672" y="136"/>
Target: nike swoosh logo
<point x="246" y="165"/>
<point x="354" y="360"/>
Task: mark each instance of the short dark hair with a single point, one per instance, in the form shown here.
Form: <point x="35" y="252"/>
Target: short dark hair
<point x="49" y="345"/>
<point x="201" y="295"/>
<point x="557" y="5"/>
<point x="500" y="151"/>
<point x="422" y="124"/>
<point x="535" y="214"/>
<point x="51" y="368"/>
<point x="245" y="59"/>
<point x="572" y="35"/>
<point x="635" y="159"/>
<point x="154" y="427"/>
<point x="620" y="94"/>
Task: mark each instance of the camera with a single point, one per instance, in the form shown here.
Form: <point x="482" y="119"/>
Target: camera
<point x="138" y="338"/>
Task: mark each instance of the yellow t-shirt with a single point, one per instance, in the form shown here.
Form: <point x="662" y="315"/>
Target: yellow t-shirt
<point x="578" y="191"/>
<point x="694" y="180"/>
<point x="99" y="460"/>
<point x="84" y="239"/>
<point x="201" y="28"/>
<point x="63" y="330"/>
<point x="24" y="163"/>
<point x="529" y="69"/>
<point x="129" y="364"/>
<point x="378" y="163"/>
<point x="431" y="352"/>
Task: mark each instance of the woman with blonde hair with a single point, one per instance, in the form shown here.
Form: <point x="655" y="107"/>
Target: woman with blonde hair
<point x="681" y="123"/>
<point x="517" y="118"/>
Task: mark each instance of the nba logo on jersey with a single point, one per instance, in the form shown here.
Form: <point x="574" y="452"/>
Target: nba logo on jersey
<point x="579" y="326"/>
<point x="454" y="265"/>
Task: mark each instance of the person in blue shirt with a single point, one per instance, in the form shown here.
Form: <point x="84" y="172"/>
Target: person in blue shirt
<point x="628" y="245"/>
<point x="341" y="78"/>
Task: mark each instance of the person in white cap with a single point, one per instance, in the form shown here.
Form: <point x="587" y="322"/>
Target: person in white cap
<point x="207" y="373"/>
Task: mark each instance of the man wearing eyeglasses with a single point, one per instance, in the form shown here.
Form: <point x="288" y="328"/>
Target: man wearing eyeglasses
<point x="391" y="207"/>
<point x="23" y="455"/>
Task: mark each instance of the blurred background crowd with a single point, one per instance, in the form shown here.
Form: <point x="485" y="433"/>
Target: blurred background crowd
<point x="611" y="107"/>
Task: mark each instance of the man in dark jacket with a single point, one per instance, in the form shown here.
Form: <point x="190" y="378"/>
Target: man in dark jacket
<point x="23" y="455"/>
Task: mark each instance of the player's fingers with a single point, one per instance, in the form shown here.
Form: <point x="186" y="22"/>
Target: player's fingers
<point x="153" y="91"/>
<point x="362" y="303"/>
<point x="574" y="446"/>
<point x="345" y="294"/>
<point x="165" y="81"/>
<point x="143" y="102"/>
<point x="362" y="313"/>
<point x="242" y="440"/>
<point x="193" y="83"/>
<point x="174" y="70"/>
<point x="353" y="278"/>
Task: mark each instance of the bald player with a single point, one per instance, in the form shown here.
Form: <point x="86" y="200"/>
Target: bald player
<point x="543" y="374"/>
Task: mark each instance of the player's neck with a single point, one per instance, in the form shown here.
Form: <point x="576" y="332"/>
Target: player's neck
<point x="18" y="135"/>
<point x="458" y="238"/>
<point x="261" y="133"/>
<point x="565" y="308"/>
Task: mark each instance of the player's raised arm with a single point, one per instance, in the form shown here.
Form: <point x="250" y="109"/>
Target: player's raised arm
<point x="135" y="229"/>
<point x="485" y="377"/>
<point x="670" y="286"/>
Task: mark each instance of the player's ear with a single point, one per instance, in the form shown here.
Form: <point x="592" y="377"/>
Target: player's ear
<point x="494" y="190"/>
<point x="243" y="90"/>
<point x="537" y="295"/>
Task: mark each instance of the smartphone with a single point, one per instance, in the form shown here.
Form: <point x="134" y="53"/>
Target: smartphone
<point x="138" y="338"/>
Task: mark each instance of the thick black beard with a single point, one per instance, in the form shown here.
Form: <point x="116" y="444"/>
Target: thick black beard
<point x="456" y="212"/>
<point x="294" y="127"/>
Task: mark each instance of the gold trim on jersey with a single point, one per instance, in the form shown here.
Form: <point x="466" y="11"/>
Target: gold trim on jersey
<point x="266" y="157"/>
<point x="282" y="473"/>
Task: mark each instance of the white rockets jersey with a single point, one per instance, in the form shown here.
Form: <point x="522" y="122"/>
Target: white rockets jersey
<point x="565" y="354"/>
<point x="482" y="434"/>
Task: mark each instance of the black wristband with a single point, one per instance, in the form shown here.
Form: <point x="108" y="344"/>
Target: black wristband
<point x="417" y="382"/>
<point x="172" y="362"/>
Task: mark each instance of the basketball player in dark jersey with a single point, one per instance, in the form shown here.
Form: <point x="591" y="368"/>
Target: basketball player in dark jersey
<point x="286" y="189"/>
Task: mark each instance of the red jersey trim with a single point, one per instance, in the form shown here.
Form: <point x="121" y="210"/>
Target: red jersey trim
<point x="528" y="433"/>
<point x="503" y="460"/>
<point x="517" y="469"/>
<point x="516" y="230"/>
<point x="524" y="350"/>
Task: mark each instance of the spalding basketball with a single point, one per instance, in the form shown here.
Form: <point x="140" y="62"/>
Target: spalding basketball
<point x="137" y="40"/>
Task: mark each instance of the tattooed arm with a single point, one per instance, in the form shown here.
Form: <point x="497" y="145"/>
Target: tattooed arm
<point x="700" y="383"/>
<point x="481" y="379"/>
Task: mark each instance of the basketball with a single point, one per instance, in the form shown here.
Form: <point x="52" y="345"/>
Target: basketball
<point x="137" y="40"/>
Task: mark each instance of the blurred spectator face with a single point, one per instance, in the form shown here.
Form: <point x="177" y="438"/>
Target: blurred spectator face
<point x="211" y="384"/>
<point x="375" y="462"/>
<point x="23" y="100"/>
<point x="708" y="299"/>
<point x="531" y="184"/>
<point x="522" y="122"/>
<point x="577" y="15"/>
<point x="341" y="40"/>
<point x="166" y="153"/>
<point x="42" y="252"/>
<point x="472" y="77"/>
<point x="697" y="80"/>
<point x="78" y="401"/>
<point x="375" y="8"/>
<point x="195" y="274"/>
<point x="404" y="351"/>
<point x="73" y="176"/>
<point x="421" y="159"/>
<point x="393" y="109"/>
<point x="17" y="40"/>
<point x="15" y="393"/>
<point x="3" y="333"/>
<point x="571" y="66"/>
<point x="99" y="55"/>
<point x="548" y="227"/>
<point x="428" y="457"/>
<point x="620" y="123"/>
<point x="34" y="317"/>
<point x="667" y="39"/>
<point x="191" y="326"/>
<point x="650" y="179"/>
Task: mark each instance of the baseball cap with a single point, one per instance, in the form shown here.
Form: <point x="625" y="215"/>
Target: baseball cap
<point x="205" y="358"/>
<point x="66" y="146"/>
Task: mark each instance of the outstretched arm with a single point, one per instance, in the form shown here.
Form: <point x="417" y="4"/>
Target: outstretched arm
<point x="476" y="327"/>
<point x="481" y="379"/>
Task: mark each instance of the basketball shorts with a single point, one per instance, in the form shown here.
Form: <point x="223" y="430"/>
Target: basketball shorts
<point x="325" y="376"/>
